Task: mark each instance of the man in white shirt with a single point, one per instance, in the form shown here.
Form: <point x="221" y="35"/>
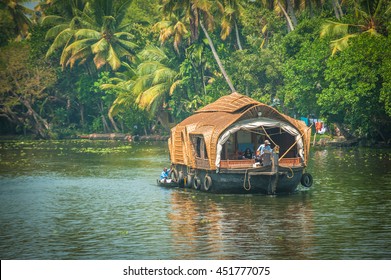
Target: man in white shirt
<point x="262" y="149"/>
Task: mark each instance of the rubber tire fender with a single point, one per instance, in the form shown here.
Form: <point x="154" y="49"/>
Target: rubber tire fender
<point x="189" y="181"/>
<point x="208" y="183"/>
<point x="306" y="180"/>
<point x="181" y="180"/>
<point x="174" y="175"/>
<point x="196" y="183"/>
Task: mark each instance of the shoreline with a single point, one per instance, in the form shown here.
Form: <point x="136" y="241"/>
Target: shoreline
<point x="328" y="141"/>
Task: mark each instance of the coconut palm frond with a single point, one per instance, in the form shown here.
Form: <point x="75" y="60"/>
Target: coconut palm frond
<point x="148" y="67"/>
<point x="87" y="33"/>
<point x="121" y="10"/>
<point x="61" y="40"/>
<point x="152" y="53"/>
<point x="174" y="86"/>
<point x="264" y="29"/>
<point x="226" y="28"/>
<point x="109" y="87"/>
<point x="161" y="25"/>
<point x="129" y="46"/>
<point x="150" y="96"/>
<point x="372" y="31"/>
<point x="334" y="29"/>
<point x="51" y="19"/>
<point x="124" y="35"/>
<point x="55" y="30"/>
<point x="165" y="34"/>
<point x="120" y="50"/>
<point x="79" y="44"/>
<point x="113" y="59"/>
<point x="80" y="55"/>
<point x="114" y="109"/>
<point x="341" y="44"/>
<point x="180" y="28"/>
<point x="75" y="23"/>
<point x="229" y="10"/>
<point x="100" y="59"/>
<point x="100" y="46"/>
<point x="163" y="75"/>
<point x="141" y="83"/>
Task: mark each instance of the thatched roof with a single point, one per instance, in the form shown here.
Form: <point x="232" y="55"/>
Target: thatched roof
<point x="212" y="120"/>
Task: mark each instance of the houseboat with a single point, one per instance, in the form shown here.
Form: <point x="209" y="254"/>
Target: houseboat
<point x="207" y="149"/>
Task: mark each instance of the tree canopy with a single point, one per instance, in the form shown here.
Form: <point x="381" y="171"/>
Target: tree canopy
<point x="72" y="67"/>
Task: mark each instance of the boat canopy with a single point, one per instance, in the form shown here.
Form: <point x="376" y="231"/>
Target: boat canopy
<point x="252" y="124"/>
<point x="201" y="137"/>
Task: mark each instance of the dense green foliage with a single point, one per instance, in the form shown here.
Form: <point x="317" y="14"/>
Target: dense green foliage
<point x="139" y="66"/>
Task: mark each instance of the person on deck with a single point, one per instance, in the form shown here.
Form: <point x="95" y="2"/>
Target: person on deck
<point x="164" y="177"/>
<point x="265" y="147"/>
<point x="248" y="154"/>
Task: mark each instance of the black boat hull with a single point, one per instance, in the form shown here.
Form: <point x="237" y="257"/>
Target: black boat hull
<point x="262" y="180"/>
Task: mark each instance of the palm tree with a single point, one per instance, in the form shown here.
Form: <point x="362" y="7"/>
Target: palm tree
<point x="103" y="37"/>
<point x="197" y="14"/>
<point x="370" y="17"/>
<point x="289" y="8"/>
<point x="19" y="14"/>
<point x="232" y="10"/>
<point x="155" y="79"/>
<point x="282" y="7"/>
<point x="147" y="86"/>
<point x="171" y="27"/>
<point x="122" y="84"/>
<point x="96" y="33"/>
<point x="64" y="26"/>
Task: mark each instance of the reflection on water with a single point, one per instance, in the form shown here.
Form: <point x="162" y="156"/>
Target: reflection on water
<point x="254" y="227"/>
<point x="99" y="200"/>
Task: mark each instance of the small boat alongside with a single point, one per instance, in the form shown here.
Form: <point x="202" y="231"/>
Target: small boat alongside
<point x="207" y="149"/>
<point x="167" y="183"/>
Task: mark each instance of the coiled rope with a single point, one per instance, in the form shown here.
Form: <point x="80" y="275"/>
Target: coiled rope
<point x="248" y="180"/>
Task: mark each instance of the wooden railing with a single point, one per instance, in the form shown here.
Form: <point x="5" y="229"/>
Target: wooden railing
<point x="237" y="163"/>
<point x="290" y="161"/>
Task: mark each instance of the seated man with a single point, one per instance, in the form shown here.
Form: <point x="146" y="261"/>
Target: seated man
<point x="164" y="177"/>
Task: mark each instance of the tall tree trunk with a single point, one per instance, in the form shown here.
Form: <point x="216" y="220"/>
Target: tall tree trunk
<point x="113" y="123"/>
<point x="291" y="12"/>
<point x="237" y="36"/>
<point x="309" y="4"/>
<point x="337" y="9"/>
<point x="106" y="127"/>
<point x="203" y="81"/>
<point x="163" y="119"/>
<point x="288" y="19"/>
<point x="217" y="58"/>
<point x="193" y="27"/>
<point x="82" y="122"/>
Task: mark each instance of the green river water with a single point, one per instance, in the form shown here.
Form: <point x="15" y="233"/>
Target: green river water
<point x="79" y="199"/>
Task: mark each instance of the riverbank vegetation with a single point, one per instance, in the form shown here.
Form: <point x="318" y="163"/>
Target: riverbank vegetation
<point x="99" y="66"/>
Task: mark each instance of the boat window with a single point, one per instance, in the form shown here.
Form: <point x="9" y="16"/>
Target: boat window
<point x="200" y="147"/>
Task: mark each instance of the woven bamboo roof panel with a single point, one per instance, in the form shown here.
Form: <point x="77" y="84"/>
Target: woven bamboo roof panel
<point x="229" y="103"/>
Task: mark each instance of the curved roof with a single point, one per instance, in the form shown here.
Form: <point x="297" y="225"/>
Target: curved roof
<point x="212" y="120"/>
<point x="229" y="104"/>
